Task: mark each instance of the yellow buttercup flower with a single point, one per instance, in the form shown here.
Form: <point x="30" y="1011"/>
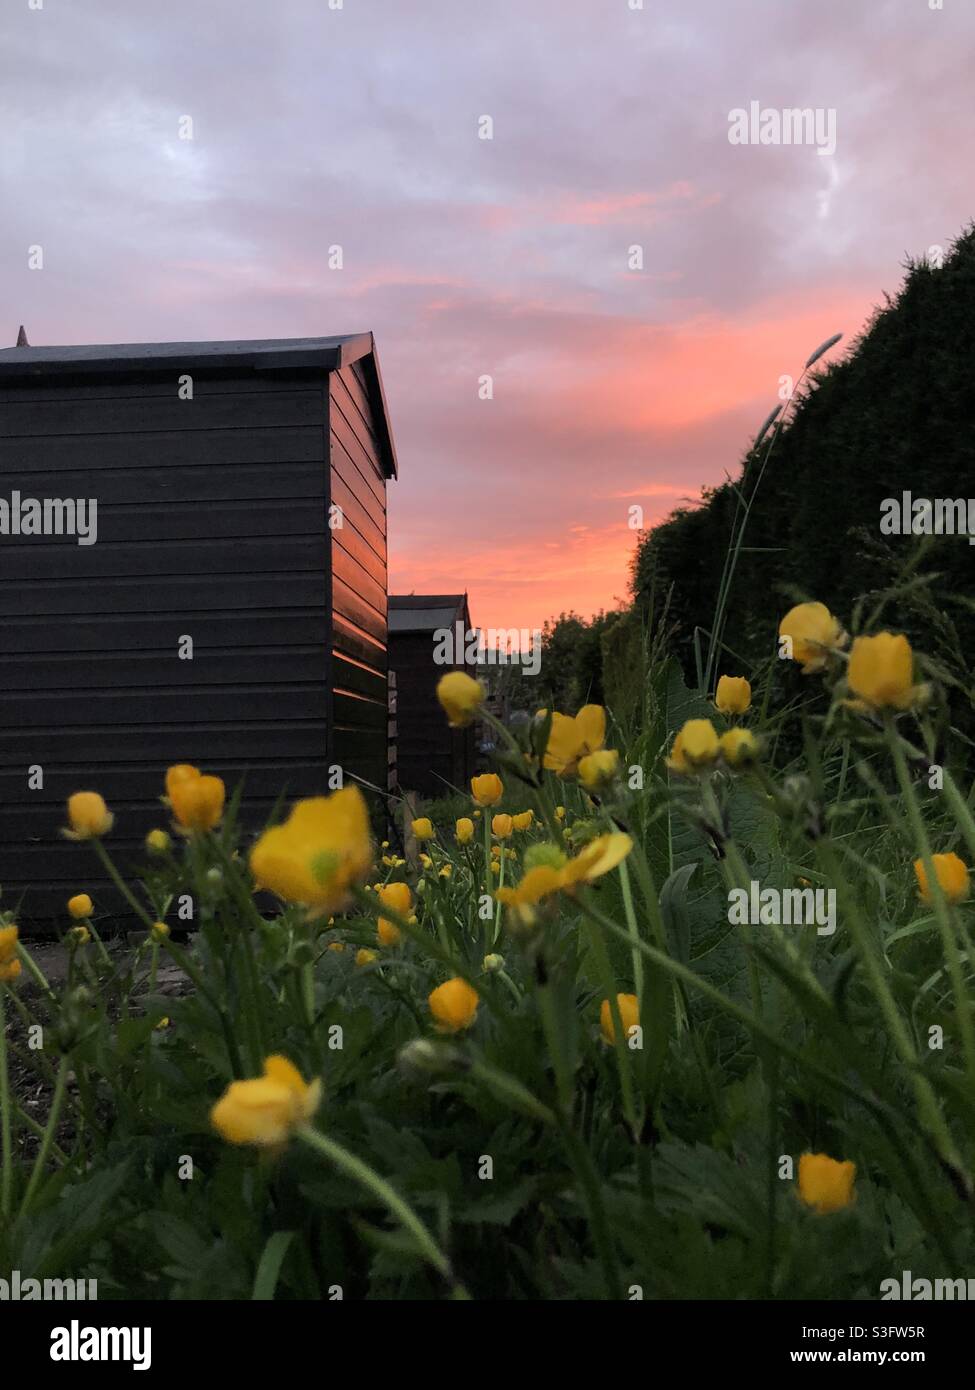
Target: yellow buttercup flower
<point x="560" y="813"/>
<point x="9" y="961"/>
<point x="502" y="826"/>
<point x="572" y="739"/>
<point x="423" y="829"/>
<point x="825" y="1184"/>
<point x="180" y="772"/>
<point x="398" y="897"/>
<point x="598" y="857"/>
<point x="461" y="697"/>
<point x="598" y="770"/>
<point x="268" y="1109"/>
<point x="548" y="871"/>
<point x="464" y="830"/>
<point x="365" y="957"/>
<point x="523" y="821"/>
<point x="159" y="930"/>
<point x="738" y="747"/>
<point x="197" y="802"/>
<point x="488" y="789"/>
<point x="881" y="671"/>
<point x="813" y="633"/>
<point x="79" y="935"/>
<point x="951" y="874"/>
<point x="88" y="816"/>
<point x="320" y="853"/>
<point x="733" y="695"/>
<point x="336" y="945"/>
<point x="426" y="861"/>
<point x="629" y="1007"/>
<point x="454" y="1005"/>
<point x="80" y="906"/>
<point x="157" y="842"/>
<point x="696" y="745"/>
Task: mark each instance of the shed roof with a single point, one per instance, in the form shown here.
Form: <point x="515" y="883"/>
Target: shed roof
<point x="37" y="365"/>
<point x="426" y="612"/>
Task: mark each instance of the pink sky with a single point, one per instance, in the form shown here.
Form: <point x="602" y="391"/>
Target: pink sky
<point x="507" y="257"/>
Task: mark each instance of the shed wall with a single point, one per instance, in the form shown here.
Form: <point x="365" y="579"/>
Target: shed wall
<point x="212" y="524"/>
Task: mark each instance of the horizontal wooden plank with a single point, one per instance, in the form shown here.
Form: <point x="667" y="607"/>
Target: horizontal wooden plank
<point x="233" y="485"/>
<point x="143" y="782"/>
<point x="137" y="415"/>
<point x="351" y="573"/>
<point x="163" y="744"/>
<point x="355" y="712"/>
<point x="210" y="667"/>
<point x="357" y="677"/>
<point x="159" y="633"/>
<point x="25" y="825"/>
<point x="141" y="387"/>
<point x="368" y="520"/>
<point x="353" y="401"/>
<point x="251" y="556"/>
<point x="345" y="445"/>
<point x="183" y="520"/>
<point x="22" y="710"/>
<point x="347" y="538"/>
<point x="354" y="642"/>
<point x="163" y="449"/>
<point x="348" y="604"/>
<point x="183" y="593"/>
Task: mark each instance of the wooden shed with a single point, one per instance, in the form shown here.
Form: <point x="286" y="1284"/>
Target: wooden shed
<point x="230" y="610"/>
<point x="430" y="757"/>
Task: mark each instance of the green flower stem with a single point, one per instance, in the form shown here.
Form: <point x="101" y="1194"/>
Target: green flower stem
<point x="184" y="962"/>
<point x="34" y="970"/>
<point x="113" y="873"/>
<point x="508" y="1088"/>
<point x="57" y="1101"/>
<point x="368" y="1178"/>
<point x="542" y="794"/>
<point x="948" y="939"/>
<point x="605" y="968"/>
<point x="929" y="1110"/>
<point x="105" y="957"/>
<point x="6" y="1139"/>
<point x="488" y="876"/>
<point x="961" y="812"/>
<point x="496" y="929"/>
<point x="30" y="1123"/>
<point x="510" y="985"/>
<point x="550" y="1028"/>
<point x="634" y="930"/>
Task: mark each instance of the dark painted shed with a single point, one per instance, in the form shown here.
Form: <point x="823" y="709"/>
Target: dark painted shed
<point x="241" y="504"/>
<point x="430" y="757"/>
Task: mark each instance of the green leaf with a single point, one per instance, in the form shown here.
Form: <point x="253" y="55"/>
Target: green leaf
<point x="269" y="1265"/>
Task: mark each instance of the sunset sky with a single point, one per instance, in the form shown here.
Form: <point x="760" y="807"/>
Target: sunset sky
<point x="505" y="257"/>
